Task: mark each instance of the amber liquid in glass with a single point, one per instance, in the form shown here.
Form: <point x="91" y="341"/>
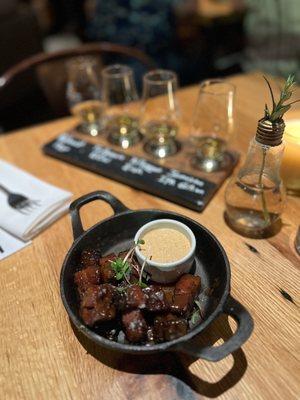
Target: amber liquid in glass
<point x="89" y="112"/>
<point x="122" y="124"/>
<point x="160" y="138"/>
<point x="209" y="153"/>
<point x="123" y="130"/>
<point x="209" y="147"/>
<point x="162" y="131"/>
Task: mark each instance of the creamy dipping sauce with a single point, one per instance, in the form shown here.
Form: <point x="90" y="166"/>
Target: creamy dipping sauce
<point x="165" y="245"/>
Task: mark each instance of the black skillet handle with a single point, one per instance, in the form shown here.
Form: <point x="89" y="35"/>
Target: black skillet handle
<point x="245" y="327"/>
<point x="115" y="204"/>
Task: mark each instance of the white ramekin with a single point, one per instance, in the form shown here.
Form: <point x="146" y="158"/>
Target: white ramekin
<point x="167" y="272"/>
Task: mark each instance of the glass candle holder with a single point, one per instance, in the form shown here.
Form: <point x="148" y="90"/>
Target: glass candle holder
<point x="159" y="113"/>
<point x="84" y="94"/>
<point x="120" y="94"/>
<point x="212" y="125"/>
<point x="290" y="168"/>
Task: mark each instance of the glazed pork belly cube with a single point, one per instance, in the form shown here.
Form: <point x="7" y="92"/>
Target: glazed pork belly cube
<point x="186" y="290"/>
<point x="107" y="273"/>
<point x="135" y="326"/>
<point x="132" y="297"/>
<point x="94" y="272"/>
<point x="90" y="258"/>
<point x="106" y="260"/>
<point x="168" y="327"/>
<point x="133" y="277"/>
<point x="151" y="299"/>
<point x="155" y="299"/>
<point x="87" y="277"/>
<point x="97" y="304"/>
<point x="169" y="294"/>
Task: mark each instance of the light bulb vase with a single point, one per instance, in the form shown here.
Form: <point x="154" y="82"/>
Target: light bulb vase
<point x="255" y="197"/>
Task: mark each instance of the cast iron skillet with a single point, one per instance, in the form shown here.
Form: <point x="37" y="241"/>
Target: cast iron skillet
<point x="115" y="234"/>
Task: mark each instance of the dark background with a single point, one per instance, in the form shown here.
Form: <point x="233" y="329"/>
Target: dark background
<point x="177" y="34"/>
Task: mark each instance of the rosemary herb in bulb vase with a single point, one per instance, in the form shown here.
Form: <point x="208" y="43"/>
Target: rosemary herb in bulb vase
<point x="255" y="197"/>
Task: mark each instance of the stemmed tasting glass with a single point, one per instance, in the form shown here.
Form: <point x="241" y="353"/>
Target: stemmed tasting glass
<point x="120" y="94"/>
<point x="212" y="125"/>
<point x="84" y="94"/>
<point x="159" y="113"/>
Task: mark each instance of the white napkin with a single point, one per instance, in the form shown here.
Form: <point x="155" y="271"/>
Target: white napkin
<point x="25" y="224"/>
<point x="9" y="244"/>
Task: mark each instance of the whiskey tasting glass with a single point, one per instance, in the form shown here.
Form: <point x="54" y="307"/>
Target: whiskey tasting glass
<point x="212" y="125"/>
<point x="120" y="94"/>
<point x="84" y="94"/>
<point x="159" y="113"/>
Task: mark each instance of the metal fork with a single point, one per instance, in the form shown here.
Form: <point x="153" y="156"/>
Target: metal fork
<point x="19" y="202"/>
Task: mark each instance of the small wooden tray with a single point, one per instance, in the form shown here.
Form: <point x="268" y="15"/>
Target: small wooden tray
<point x="173" y="179"/>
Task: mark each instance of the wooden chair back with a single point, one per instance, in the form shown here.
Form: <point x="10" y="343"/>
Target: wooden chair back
<point x="49" y="69"/>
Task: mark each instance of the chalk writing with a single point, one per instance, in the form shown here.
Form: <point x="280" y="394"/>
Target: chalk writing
<point x="105" y="155"/>
<point x="71" y="141"/>
<point x="171" y="184"/>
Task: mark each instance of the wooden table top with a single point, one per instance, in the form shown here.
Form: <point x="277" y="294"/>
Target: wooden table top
<point x="41" y="357"/>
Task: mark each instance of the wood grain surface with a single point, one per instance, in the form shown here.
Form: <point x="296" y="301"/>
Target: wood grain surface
<point x="41" y="357"/>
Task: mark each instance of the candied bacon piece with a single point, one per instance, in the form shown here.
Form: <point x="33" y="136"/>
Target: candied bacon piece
<point x="97" y="304"/>
<point x="87" y="277"/>
<point x="131" y="297"/>
<point x="155" y="299"/>
<point x="169" y="327"/>
<point x="90" y="258"/>
<point x="135" y="326"/>
<point x="186" y="290"/>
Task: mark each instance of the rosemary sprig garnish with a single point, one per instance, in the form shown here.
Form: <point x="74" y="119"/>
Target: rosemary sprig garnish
<point x="280" y="108"/>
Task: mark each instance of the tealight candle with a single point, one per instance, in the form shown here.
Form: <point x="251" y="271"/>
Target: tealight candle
<point x="290" y="169"/>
